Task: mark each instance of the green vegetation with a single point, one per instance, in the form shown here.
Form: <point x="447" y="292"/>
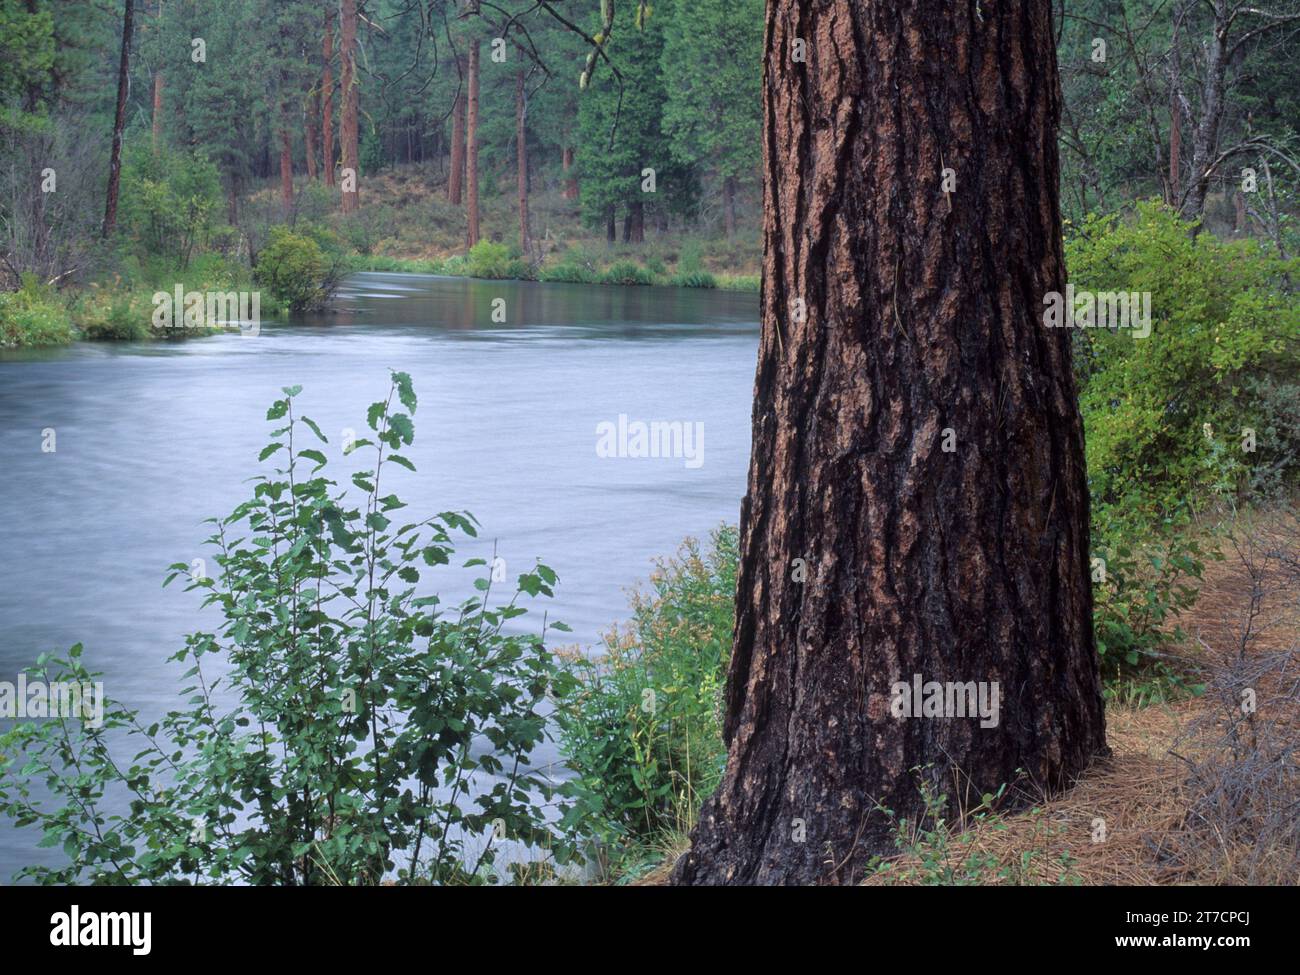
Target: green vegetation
<point x="337" y="748"/>
<point x="32" y="316"/>
<point x="934" y="851"/>
<point x="643" y="731"/>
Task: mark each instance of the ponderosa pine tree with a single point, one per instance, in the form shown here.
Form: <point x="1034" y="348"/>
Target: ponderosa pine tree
<point x="612" y="175"/>
<point x="917" y="502"/>
<point x="711" y="114"/>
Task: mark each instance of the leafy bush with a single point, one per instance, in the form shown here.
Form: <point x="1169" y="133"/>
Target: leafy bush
<point x="32" y="316"/>
<point x="626" y="272"/>
<point x="642" y="731"/>
<point x="1140" y="585"/>
<point x="168" y="201"/>
<point x="568" y="272"/>
<point x="488" y="259"/>
<point x="294" y="268"/>
<point x="358" y="724"/>
<point x="695" y="279"/>
<point x="114" y="316"/>
<point x="1165" y="415"/>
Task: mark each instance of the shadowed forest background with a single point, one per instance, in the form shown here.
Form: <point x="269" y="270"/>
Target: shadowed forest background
<point x="281" y="146"/>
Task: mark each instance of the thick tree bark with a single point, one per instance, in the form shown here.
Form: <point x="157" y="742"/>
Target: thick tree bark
<point x="611" y="234"/>
<point x="348" y="89"/>
<point x="916" y="441"/>
<point x="521" y="154"/>
<point x="456" y="178"/>
<point x="327" y="98"/>
<point x="119" y="121"/>
<point x="471" y="150"/>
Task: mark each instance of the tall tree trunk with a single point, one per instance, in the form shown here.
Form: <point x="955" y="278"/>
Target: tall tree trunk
<point x="232" y="201"/>
<point x="456" y="178"/>
<point x="471" y="150"/>
<point x="119" y="121"/>
<point x="312" y="134"/>
<point x="611" y="234"/>
<point x="1205" y="139"/>
<point x="156" y="133"/>
<point x="634" y="223"/>
<point x="348" y="87"/>
<point x="729" y="204"/>
<point x="917" y="501"/>
<point x="286" y="165"/>
<point x="571" y="179"/>
<point x="327" y="98"/>
<point x="521" y="154"/>
<point x="1175" y="111"/>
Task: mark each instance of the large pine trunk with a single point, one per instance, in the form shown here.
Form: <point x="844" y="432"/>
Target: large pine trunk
<point x="471" y="149"/>
<point x="327" y="98"/>
<point x="119" y="122"/>
<point x="916" y="502"/>
<point x="348" y="126"/>
<point x="456" y="178"/>
<point x="521" y="156"/>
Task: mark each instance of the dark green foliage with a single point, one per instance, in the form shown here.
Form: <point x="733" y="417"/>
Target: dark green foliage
<point x="643" y="731"/>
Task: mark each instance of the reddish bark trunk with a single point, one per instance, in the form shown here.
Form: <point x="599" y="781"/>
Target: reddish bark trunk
<point x="571" y="180"/>
<point x="471" y="150"/>
<point x="456" y="178"/>
<point x="521" y="154"/>
<point x="327" y="99"/>
<point x="917" y="502"/>
<point x="156" y="133"/>
<point x="348" y="87"/>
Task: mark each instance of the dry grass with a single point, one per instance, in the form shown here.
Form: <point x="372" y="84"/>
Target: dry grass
<point x="1196" y="792"/>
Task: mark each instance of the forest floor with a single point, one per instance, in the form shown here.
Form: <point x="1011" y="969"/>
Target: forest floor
<point x="1195" y="791"/>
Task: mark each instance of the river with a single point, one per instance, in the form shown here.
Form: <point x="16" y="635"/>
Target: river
<point x="152" y="438"/>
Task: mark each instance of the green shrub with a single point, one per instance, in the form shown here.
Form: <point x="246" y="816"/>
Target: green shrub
<point x="294" y="268"/>
<point x="740" y="282"/>
<point x="1143" y="578"/>
<point x="114" y="316"/>
<point x="642" y="732"/>
<point x="169" y="201"/>
<point x="33" y="316"/>
<point x="1165" y="415"/>
<point x="363" y="731"/>
<point x="695" y="279"/>
<point x="626" y="272"/>
<point x="571" y="273"/>
<point x="488" y="259"/>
